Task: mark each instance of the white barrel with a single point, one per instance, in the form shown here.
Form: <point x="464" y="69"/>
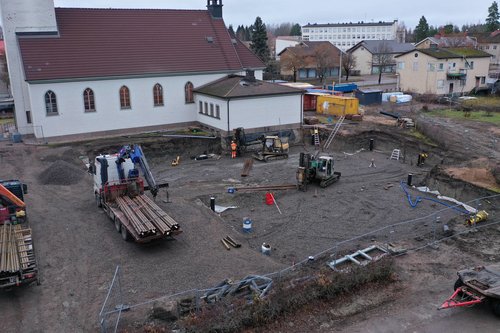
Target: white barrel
<point x="266" y="249"/>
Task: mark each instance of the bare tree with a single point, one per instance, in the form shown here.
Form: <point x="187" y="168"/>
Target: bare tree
<point x="282" y="29"/>
<point x="292" y="62"/>
<point x="458" y="41"/>
<point x="382" y="58"/>
<point x="348" y="64"/>
<point x="324" y="61"/>
<point x="4" y="70"/>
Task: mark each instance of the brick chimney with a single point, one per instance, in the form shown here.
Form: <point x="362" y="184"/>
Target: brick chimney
<point x="215" y="8"/>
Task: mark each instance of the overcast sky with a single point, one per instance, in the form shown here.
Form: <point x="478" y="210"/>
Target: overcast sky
<point x="244" y="12"/>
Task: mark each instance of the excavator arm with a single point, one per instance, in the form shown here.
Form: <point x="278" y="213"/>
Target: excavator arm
<point x="4" y="192"/>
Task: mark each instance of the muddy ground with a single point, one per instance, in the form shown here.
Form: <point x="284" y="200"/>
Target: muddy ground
<point x="78" y="248"/>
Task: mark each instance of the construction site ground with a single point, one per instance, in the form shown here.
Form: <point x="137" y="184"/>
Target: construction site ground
<point x="78" y="248"/>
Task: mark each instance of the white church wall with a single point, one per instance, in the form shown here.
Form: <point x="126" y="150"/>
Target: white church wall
<point x="72" y="119"/>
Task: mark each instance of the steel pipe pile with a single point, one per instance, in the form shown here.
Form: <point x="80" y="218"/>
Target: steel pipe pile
<point x="163" y="226"/>
<point x="153" y="207"/>
<point x="138" y="221"/>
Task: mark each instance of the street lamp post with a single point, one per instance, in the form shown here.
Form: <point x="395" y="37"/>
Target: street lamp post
<point x="340" y="67"/>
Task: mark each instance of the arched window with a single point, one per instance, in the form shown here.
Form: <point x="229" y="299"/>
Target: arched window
<point x="124" y="98"/>
<point x="88" y="100"/>
<point x="50" y="103"/>
<point x="158" y="95"/>
<point x="188" y="92"/>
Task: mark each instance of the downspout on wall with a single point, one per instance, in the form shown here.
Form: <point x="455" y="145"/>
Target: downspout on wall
<point x="228" y="123"/>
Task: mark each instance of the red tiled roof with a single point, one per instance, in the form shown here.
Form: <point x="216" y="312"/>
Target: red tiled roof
<point x="132" y="42"/>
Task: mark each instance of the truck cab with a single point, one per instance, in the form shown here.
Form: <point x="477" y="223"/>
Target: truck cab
<point x="12" y="207"/>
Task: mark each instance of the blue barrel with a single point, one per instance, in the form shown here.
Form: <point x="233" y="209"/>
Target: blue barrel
<point x="247" y="224"/>
<point x="16" y="138"/>
<point x="230" y="190"/>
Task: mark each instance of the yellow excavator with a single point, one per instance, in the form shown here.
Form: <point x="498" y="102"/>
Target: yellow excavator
<point x="273" y="148"/>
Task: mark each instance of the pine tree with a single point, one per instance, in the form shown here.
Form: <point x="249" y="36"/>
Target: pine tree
<point x="421" y="30"/>
<point x="231" y="30"/>
<point x="448" y="29"/>
<point x="296" y="30"/>
<point x="248" y="33"/>
<point x="240" y="32"/>
<point x="259" y="40"/>
<point x="493" y="19"/>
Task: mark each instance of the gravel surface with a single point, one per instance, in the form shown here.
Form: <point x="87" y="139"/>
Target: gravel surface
<point x="60" y="173"/>
<point x="78" y="248"/>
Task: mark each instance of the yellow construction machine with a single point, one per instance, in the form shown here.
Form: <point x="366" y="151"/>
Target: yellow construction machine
<point x="273" y="148"/>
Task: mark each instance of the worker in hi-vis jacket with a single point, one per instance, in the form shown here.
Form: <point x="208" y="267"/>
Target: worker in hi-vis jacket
<point x="234" y="146"/>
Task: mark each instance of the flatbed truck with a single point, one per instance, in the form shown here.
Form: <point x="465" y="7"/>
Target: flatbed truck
<point x="18" y="265"/>
<point x="120" y="191"/>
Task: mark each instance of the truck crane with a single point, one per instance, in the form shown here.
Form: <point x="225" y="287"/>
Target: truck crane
<point x="135" y="154"/>
<point x="120" y="191"/>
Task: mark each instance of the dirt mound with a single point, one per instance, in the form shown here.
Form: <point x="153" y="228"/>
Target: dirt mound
<point x="60" y="173"/>
<point x="478" y="176"/>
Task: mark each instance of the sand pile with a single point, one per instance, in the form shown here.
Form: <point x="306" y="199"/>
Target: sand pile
<point x="61" y="173"/>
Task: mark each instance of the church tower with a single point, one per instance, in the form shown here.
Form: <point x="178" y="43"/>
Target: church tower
<point x="24" y="18"/>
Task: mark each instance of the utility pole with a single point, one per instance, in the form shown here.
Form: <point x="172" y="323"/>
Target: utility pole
<point x="340" y="67"/>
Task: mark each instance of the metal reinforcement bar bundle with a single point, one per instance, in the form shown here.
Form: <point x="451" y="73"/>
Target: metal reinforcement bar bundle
<point x="9" y="260"/>
<point x="163" y="226"/>
<point x="138" y="221"/>
<point x="160" y="212"/>
<point x="266" y="188"/>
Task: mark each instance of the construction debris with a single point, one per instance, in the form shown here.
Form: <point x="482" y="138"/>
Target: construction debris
<point x="228" y="241"/>
<point x="226" y="245"/>
<point x="221" y="209"/>
<point x="405" y="123"/>
<point x="232" y="242"/>
<point x="252" y="284"/>
<point x="468" y="208"/>
<point x="352" y="154"/>
<point x="247" y="166"/>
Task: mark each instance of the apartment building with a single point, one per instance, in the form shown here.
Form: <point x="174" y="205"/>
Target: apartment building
<point x="346" y="35"/>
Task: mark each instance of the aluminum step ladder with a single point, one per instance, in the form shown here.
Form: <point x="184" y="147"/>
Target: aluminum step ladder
<point x="316" y="136"/>
<point x="395" y="154"/>
<point x="361" y="258"/>
<point x="334" y="132"/>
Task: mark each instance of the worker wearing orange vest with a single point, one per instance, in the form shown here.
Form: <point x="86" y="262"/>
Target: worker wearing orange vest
<point x="234" y="146"/>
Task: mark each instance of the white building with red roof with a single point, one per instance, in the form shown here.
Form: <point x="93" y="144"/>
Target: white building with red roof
<point x="80" y="71"/>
